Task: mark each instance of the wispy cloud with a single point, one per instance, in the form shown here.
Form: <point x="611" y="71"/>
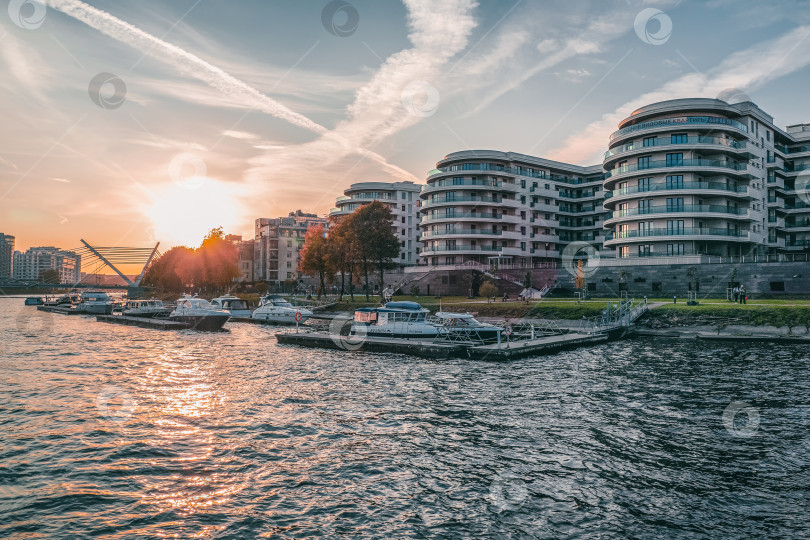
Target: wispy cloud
<point x="747" y="70"/>
<point x="63" y="180"/>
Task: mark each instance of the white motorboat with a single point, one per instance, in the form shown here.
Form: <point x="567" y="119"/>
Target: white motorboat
<point x="233" y="305"/>
<point x="274" y="308"/>
<point x="466" y="325"/>
<point x="406" y="320"/>
<point x="145" y="308"/>
<point x="94" y="303"/>
<point x="199" y="313"/>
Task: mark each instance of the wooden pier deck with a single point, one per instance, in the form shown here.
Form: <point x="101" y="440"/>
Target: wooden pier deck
<point x="157" y="324"/>
<point x="430" y="349"/>
<point x="61" y="310"/>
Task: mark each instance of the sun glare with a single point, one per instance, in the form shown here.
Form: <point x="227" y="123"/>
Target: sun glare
<point x="184" y="213"/>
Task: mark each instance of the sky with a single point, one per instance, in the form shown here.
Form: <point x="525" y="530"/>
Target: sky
<point x="128" y="123"/>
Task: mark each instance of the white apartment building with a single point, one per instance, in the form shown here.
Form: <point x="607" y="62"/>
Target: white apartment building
<point x="490" y="207"/>
<point x="402" y="198"/>
<point x="29" y="265"/>
<point x="681" y="177"/>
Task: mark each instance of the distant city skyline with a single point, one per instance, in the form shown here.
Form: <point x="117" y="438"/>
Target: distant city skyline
<point x="128" y="124"/>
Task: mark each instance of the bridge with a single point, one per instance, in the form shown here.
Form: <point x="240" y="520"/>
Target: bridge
<point x="97" y="257"/>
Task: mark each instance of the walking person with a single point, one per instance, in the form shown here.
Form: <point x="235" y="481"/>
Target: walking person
<point x="743" y="297"/>
<point x="735" y="293"/>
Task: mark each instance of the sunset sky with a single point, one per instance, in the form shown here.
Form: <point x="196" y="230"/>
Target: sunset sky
<point x="127" y="123"/>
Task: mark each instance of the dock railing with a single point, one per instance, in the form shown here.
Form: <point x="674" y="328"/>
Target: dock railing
<point x="614" y="316"/>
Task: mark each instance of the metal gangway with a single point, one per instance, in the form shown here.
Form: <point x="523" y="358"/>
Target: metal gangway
<point x="614" y="316"/>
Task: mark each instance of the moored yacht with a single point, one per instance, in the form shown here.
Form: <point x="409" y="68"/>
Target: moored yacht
<point x="34" y="301"/>
<point x="465" y="325"/>
<point x="233" y="305"/>
<point x="274" y="308"/>
<point x="145" y="308"/>
<point x="199" y="313"/>
<point x="406" y="320"/>
<point x="94" y="303"/>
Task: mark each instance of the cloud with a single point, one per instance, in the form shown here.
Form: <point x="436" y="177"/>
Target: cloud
<point x="63" y="180"/>
<point x="241" y="135"/>
<point x="438" y="31"/>
<point x="198" y="68"/>
<point x="748" y="70"/>
<point x="8" y="163"/>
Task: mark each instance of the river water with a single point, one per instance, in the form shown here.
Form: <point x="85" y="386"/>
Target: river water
<point x="109" y="431"/>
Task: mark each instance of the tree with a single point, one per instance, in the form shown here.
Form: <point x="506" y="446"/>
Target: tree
<point x="375" y="241"/>
<point x="343" y="251"/>
<point x="173" y="270"/>
<point x="49" y="276"/>
<point x="580" y="276"/>
<point x="218" y="259"/>
<point x="527" y="280"/>
<point x="488" y="290"/>
<point x="316" y="256"/>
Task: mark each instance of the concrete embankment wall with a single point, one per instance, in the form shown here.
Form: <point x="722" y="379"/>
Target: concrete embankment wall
<point x="771" y="279"/>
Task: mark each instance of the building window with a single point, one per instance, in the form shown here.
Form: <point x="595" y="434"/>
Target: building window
<point x="675" y="249"/>
<point x="675" y="182"/>
<point x="778" y="286"/>
<point x="650" y="141"/>
<point x="675" y="160"/>
<point x="675" y="204"/>
<point x="644" y="184"/>
<point x="645" y="250"/>
<point x="679" y="138"/>
<point x="644" y="162"/>
<point x="674" y="226"/>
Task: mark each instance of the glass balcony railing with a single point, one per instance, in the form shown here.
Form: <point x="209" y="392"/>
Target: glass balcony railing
<point x="793" y="149"/>
<point x="698" y="231"/>
<point x="680" y="208"/>
<point x="461" y="248"/>
<point x="461" y="183"/>
<point x="468" y="167"/>
<point x="459" y="215"/>
<point x="720" y="186"/>
<point x="443" y="200"/>
<point x="723" y="164"/>
<point x="681" y="122"/>
<point x="719" y="141"/>
<point x="428" y="234"/>
<point x="790" y="167"/>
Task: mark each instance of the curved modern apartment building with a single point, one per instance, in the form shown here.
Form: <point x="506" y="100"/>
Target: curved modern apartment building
<point x="402" y="198"/>
<point x="485" y="206"/>
<point x="680" y="177"/>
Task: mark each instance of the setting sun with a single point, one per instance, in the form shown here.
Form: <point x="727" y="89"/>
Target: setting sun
<point x="184" y="213"/>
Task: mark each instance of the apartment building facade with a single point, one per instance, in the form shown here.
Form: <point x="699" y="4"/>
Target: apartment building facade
<point x="489" y="207"/>
<point x="277" y="244"/>
<point x="681" y="177"/>
<point x="403" y="200"/>
<point x="30" y="264"/>
<point x="705" y="177"/>
<point x="6" y="256"/>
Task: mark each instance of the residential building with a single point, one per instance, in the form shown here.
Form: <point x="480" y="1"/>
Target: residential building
<point x="705" y="177"/>
<point x="245" y="261"/>
<point x="681" y="177"/>
<point x="6" y="256"/>
<point x="402" y="198"/>
<point x="277" y="244"/>
<point x="30" y="264"/>
<point x="489" y="207"/>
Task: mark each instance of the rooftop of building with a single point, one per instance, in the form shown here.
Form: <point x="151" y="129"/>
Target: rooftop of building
<point x="516" y="157"/>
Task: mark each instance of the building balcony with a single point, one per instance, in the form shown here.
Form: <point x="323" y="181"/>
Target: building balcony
<point x="701" y="188"/>
<point x="453" y="250"/>
<point x="710" y="165"/>
<point x="468" y="201"/>
<point x="465" y="232"/>
<point x="466" y="216"/>
<point x="718" y="144"/>
<point x="469" y="168"/>
<point x="701" y="210"/>
<point x="444" y="185"/>
<point x="701" y="233"/>
<point x="680" y="123"/>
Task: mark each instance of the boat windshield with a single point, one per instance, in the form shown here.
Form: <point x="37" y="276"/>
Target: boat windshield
<point x="235" y="304"/>
<point x="365" y="316"/>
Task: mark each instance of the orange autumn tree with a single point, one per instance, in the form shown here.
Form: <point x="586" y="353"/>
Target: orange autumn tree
<point x="316" y="256"/>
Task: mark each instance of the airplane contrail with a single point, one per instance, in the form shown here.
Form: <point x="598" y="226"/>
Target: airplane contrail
<point x="198" y="68"/>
